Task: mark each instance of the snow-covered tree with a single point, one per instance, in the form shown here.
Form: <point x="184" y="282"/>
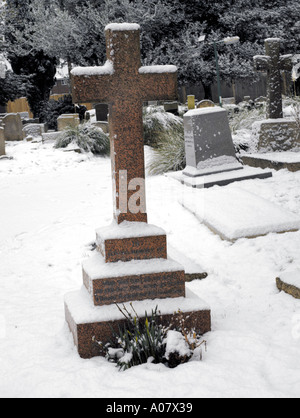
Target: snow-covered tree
<point x="73" y="30"/>
<point x="28" y="60"/>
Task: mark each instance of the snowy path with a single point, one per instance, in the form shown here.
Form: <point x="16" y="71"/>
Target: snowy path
<point x="51" y="204"/>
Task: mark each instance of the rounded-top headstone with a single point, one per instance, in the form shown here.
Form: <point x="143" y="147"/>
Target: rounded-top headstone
<point x="13" y="127"/>
<point x="205" y="103"/>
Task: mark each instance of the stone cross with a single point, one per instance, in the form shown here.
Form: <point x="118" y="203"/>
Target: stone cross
<point x="124" y="85"/>
<point x="273" y="63"/>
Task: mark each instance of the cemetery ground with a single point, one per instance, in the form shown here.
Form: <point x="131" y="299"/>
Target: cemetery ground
<point x="51" y="203"/>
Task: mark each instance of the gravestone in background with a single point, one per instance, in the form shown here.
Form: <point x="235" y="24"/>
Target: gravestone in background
<point x="171" y="107"/>
<point x="33" y="130"/>
<point x="208" y="142"/>
<point x="275" y="133"/>
<point x="205" y="103"/>
<point x="131" y="263"/>
<point x="228" y="100"/>
<point x="191" y="100"/>
<point x="24" y="115"/>
<point x="2" y="142"/>
<point x="67" y="121"/>
<point x="28" y="121"/>
<point x="101" y="112"/>
<point x="13" y="127"/>
<point x="210" y="153"/>
<point x="273" y="63"/>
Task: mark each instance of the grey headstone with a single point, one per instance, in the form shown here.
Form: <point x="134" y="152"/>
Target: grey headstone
<point x="13" y="127"/>
<point x="103" y="125"/>
<point x="51" y="136"/>
<point x="228" y="100"/>
<point x="34" y="130"/>
<point x="67" y="120"/>
<point x="101" y="112"/>
<point x="2" y="142"/>
<point x="208" y="142"/>
<point x="27" y="121"/>
<point x="171" y="107"/>
<point x="24" y="115"/>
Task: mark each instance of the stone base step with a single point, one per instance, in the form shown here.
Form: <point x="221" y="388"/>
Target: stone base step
<point x="131" y="241"/>
<point x="276" y="160"/>
<point x="88" y="323"/>
<point x="120" y="282"/>
<point x="220" y="179"/>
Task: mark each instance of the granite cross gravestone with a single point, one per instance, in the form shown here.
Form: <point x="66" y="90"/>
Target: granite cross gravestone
<point x="273" y="64"/>
<point x="124" y="84"/>
<point x="131" y="262"/>
<point x="275" y="134"/>
<point x="33" y="130"/>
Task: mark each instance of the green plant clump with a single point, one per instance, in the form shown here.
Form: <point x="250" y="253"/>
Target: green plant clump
<point x="87" y="137"/>
<point x="157" y="124"/>
<point x="169" y="155"/>
<point x="146" y="340"/>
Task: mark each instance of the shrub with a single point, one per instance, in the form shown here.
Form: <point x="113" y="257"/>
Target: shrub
<point x="245" y="118"/>
<point x="169" y="154"/>
<point x="54" y="108"/>
<point x="87" y="137"/>
<point x="158" y="123"/>
<point x="146" y="340"/>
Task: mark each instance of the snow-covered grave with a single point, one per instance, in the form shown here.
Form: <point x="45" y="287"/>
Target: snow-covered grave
<point x="236" y="213"/>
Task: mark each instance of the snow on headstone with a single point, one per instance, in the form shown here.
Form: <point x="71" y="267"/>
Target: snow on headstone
<point x="208" y="142"/>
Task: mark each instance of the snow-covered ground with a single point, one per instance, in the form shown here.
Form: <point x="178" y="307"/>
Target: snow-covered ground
<point x="51" y="204"/>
